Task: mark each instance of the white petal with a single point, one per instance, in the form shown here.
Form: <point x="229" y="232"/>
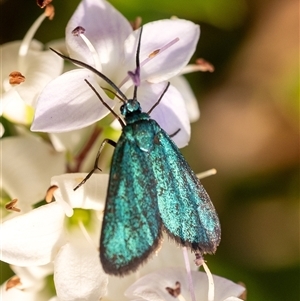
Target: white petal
<point x="152" y="286"/>
<point x="183" y="86"/>
<point x="90" y="195"/>
<point x="14" y="108"/>
<point x="170" y="113"/>
<point x="9" y="59"/>
<point x="9" y="53"/>
<point x="156" y="35"/>
<point x="233" y="299"/>
<point x="170" y="255"/>
<point x="225" y="288"/>
<point x="68" y="103"/>
<point x="106" y="29"/>
<point x="28" y="167"/>
<point x="40" y="68"/>
<point x="33" y="238"/>
<point x="17" y="294"/>
<point x="71" y="141"/>
<point x="78" y="274"/>
<point x="31" y="277"/>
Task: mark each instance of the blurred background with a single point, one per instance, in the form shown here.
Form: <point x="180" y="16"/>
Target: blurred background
<point x="248" y="129"/>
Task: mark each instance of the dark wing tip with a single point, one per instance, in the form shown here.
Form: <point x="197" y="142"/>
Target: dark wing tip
<point x="204" y="247"/>
<point x="132" y="266"/>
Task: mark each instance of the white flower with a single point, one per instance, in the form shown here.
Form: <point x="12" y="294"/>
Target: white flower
<point x="46" y="234"/>
<point x="37" y="66"/>
<point x="27" y="167"/>
<point x="152" y="287"/>
<point x="27" y="284"/>
<point x="109" y="45"/>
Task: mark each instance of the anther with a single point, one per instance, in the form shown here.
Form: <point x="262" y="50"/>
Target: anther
<point x="11" y="206"/>
<point x="136" y="23"/>
<point x="49" y="11"/>
<point x="43" y="3"/>
<point x="150" y="57"/>
<point x="12" y="282"/>
<point x="16" y="78"/>
<point x="154" y="53"/>
<point x="79" y="31"/>
<point x="201" y="65"/>
<point x="176" y="291"/>
<point x="49" y="194"/>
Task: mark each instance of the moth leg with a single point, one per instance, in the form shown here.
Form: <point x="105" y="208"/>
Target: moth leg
<point x="111" y="142"/>
<point x="174" y="134"/>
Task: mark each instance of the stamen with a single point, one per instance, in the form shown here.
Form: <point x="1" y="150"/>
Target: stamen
<point x="136" y="23"/>
<point x="211" y="285"/>
<point x="150" y="57"/>
<point x="79" y="31"/>
<point x="13" y="282"/>
<point x="189" y="273"/>
<point x="154" y="53"/>
<point x="86" y="235"/>
<point x="176" y="292"/>
<point x="29" y="35"/>
<point x="201" y="65"/>
<point x="43" y="3"/>
<point x="206" y="174"/>
<point x="23" y="50"/>
<point x="11" y="206"/>
<point x="16" y="78"/>
<point x="49" y="194"/>
<point x="50" y="12"/>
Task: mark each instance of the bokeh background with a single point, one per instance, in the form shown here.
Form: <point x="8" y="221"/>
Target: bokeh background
<point x="248" y="130"/>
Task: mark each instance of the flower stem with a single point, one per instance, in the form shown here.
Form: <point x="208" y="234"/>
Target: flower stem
<point x="81" y="156"/>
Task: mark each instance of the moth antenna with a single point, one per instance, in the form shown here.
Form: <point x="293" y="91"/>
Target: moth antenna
<point x="105" y="104"/>
<point x="135" y="76"/>
<point x="160" y="98"/>
<point x="104" y="77"/>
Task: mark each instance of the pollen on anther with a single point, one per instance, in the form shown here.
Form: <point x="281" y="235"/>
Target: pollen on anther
<point x="154" y="53"/>
<point x="176" y="291"/>
<point x="49" y="11"/>
<point x="12" y="282"/>
<point x="136" y="23"/>
<point x="16" y="78"/>
<point x="49" y="193"/>
<point x="78" y="31"/>
<point x="11" y="206"/>
<point x="205" y="65"/>
<point x="43" y="3"/>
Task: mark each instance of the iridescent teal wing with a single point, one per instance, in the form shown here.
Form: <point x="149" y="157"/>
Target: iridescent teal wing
<point x="131" y="228"/>
<point x="186" y="210"/>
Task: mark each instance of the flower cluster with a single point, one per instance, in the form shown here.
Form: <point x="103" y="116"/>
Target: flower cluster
<point x="60" y="237"/>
